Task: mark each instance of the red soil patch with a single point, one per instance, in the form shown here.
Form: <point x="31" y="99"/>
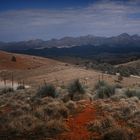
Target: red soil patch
<point x="77" y="124"/>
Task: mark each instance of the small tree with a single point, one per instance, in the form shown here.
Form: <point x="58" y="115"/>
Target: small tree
<point x="13" y="59"/>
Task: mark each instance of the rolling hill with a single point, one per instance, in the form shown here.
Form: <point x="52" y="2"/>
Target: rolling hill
<point x="23" y="62"/>
<point x="34" y="70"/>
<point x="97" y="113"/>
<point x="134" y="64"/>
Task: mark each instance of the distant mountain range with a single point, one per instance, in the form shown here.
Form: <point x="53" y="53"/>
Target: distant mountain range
<point x="89" y="47"/>
<point x="66" y="42"/>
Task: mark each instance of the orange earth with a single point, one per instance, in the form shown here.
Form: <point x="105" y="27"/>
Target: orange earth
<point x="77" y="129"/>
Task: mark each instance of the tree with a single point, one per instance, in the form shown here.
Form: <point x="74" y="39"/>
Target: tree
<point x="13" y="59"/>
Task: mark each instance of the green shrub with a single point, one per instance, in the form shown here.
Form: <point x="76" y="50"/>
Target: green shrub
<point x="75" y="87"/>
<point x="20" y="87"/>
<point x="47" y="90"/>
<point x="100" y="83"/>
<point x="104" y="90"/>
<point x="131" y="93"/>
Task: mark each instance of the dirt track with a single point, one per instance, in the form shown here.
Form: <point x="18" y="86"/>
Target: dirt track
<point x="77" y="124"/>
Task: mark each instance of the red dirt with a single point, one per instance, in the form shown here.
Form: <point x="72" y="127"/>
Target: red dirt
<point x="77" y="124"/>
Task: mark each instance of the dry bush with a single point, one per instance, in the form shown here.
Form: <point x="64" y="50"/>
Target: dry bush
<point x="125" y="110"/>
<point x="57" y="110"/>
<point x="55" y="127"/>
<point x="53" y="110"/>
<point x="36" y="102"/>
<point x="119" y="134"/>
<point x="24" y="123"/>
<point x="105" y="107"/>
<point x="101" y="125"/>
<point x="65" y="98"/>
<point x="22" y="116"/>
<point x="71" y="105"/>
<point x="135" y="121"/>
<point x="30" y="127"/>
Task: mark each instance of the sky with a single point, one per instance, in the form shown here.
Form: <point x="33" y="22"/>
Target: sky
<point x="46" y="19"/>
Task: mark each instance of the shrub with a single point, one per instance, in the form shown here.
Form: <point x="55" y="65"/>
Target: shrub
<point x="71" y="105"/>
<point x="101" y="125"/>
<point x="47" y="90"/>
<point x="55" y="127"/>
<point x="65" y="98"/>
<point x="56" y="110"/>
<point x="95" y="126"/>
<point x="13" y="59"/>
<point x="103" y="90"/>
<point x="75" y="87"/>
<point x="20" y="87"/>
<point x="100" y="83"/>
<point x="24" y="123"/>
<point x="131" y="93"/>
<point x="119" y="134"/>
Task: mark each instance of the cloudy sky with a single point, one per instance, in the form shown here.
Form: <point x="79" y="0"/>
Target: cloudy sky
<point x="46" y="19"/>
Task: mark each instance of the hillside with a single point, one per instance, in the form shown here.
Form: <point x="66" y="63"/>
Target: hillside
<point x="58" y="107"/>
<point x="34" y="70"/>
<point x="23" y="62"/>
<point x="134" y="64"/>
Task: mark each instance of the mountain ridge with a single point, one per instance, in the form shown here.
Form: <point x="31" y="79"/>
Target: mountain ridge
<point x="67" y="42"/>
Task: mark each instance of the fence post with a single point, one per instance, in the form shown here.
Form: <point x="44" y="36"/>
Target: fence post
<point x="4" y="81"/>
<point x="12" y="80"/>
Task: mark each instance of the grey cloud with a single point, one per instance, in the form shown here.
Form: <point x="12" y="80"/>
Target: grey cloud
<point x="103" y="18"/>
